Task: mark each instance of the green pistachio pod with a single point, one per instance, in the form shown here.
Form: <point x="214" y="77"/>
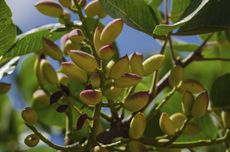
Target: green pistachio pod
<point x="137" y="126"/>
<point x="65" y="18"/>
<point x="30" y="116"/>
<point x="136" y="101"/>
<point x="153" y="63"/>
<point x="51" y="49"/>
<point x="32" y="140"/>
<point x="136" y="63"/>
<point x="49" y="8"/>
<point x="4" y="87"/>
<point x="136" y="146"/>
<point x="176" y="76"/>
<point x="63" y="79"/>
<point x="38" y="72"/>
<point x="106" y="52"/>
<point x="74" y="72"/>
<point x="95" y="80"/>
<point x="66" y="3"/>
<point x="192" y="86"/>
<point x="49" y="73"/>
<point x="69" y="45"/>
<point x="100" y="149"/>
<point x="200" y="106"/>
<point x="166" y="124"/>
<point x="113" y="92"/>
<point x="84" y="60"/>
<point x="76" y="36"/>
<point x="119" y="68"/>
<point x="225" y="116"/>
<point x="41" y="97"/>
<point x="112" y="31"/>
<point x="168" y="150"/>
<point x="96" y="39"/>
<point x="127" y="80"/>
<point x="187" y="102"/>
<point x="94" y="8"/>
<point x="91" y="97"/>
<point x="178" y="119"/>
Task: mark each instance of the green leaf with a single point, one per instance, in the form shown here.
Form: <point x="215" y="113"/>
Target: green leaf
<point x="211" y="18"/>
<point x="7" y="28"/>
<point x="32" y="40"/>
<point x="220" y="96"/>
<point x="193" y="9"/>
<point x="135" y="13"/>
<point x="178" y="7"/>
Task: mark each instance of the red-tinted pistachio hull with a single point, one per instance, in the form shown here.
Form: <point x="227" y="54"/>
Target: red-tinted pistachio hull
<point x="95" y="80"/>
<point x="49" y="8"/>
<point x="137" y="126"/>
<point x="136" y="101"/>
<point x="111" y="31"/>
<point x="119" y="68"/>
<point x="83" y="60"/>
<point x="74" y="72"/>
<point x="29" y="115"/>
<point x="106" y="52"/>
<point x="91" y="97"/>
<point x="51" y="49"/>
<point x="76" y="36"/>
<point x="127" y="80"/>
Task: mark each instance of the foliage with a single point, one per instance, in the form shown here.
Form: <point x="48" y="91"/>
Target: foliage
<point x="97" y="100"/>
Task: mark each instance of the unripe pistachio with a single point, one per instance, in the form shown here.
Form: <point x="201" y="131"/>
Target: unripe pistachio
<point x="106" y="52"/>
<point x="96" y="39"/>
<point x="66" y="3"/>
<point x="127" y="80"/>
<point x="76" y="36"/>
<point x="51" y="49"/>
<point x="166" y="124"/>
<point x="49" y="8"/>
<point x="187" y="102"/>
<point x="100" y="149"/>
<point x="225" y="116"/>
<point x="49" y="73"/>
<point x="109" y="67"/>
<point x="74" y="72"/>
<point x="200" y="106"/>
<point x="113" y="92"/>
<point x="192" y="86"/>
<point x="120" y="67"/>
<point x="136" y="63"/>
<point x="112" y="31"/>
<point x="95" y="80"/>
<point x="136" y="146"/>
<point x="38" y="72"/>
<point x="178" y="119"/>
<point x="91" y="97"/>
<point x="94" y="8"/>
<point x="176" y="75"/>
<point x="83" y="60"/>
<point x="4" y="87"/>
<point x="65" y="18"/>
<point x="30" y="116"/>
<point x="137" y="126"/>
<point x="136" y="101"/>
<point x="63" y="79"/>
<point x="41" y="97"/>
<point x="69" y="45"/>
<point x="168" y="150"/>
<point x="153" y="63"/>
<point x="32" y="140"/>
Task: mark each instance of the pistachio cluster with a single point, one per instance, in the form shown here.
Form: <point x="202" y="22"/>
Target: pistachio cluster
<point x="89" y="60"/>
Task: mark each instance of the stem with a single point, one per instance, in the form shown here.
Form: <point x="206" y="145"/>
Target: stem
<point x="69" y="148"/>
<point x="214" y="59"/>
<point x="174" y="58"/>
<point x="69" y="127"/>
